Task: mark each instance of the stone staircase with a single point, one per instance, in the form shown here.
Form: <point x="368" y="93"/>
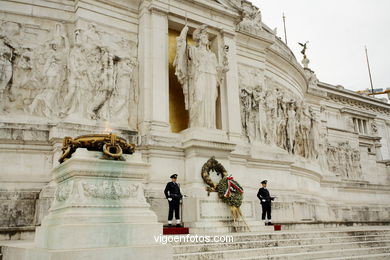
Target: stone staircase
<point x="341" y="243"/>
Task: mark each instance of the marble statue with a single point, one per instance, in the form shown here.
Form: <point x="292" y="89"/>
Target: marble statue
<point x="54" y="73"/>
<point x="78" y="82"/>
<point x="291" y="126"/>
<point x="270" y="102"/>
<point x="124" y="95"/>
<point x="263" y="129"/>
<point x="199" y="73"/>
<point x="104" y="87"/>
<point x="281" y="124"/>
<point x="314" y="135"/>
<point x="312" y="79"/>
<point x="251" y="19"/>
<point x="5" y="70"/>
<point x="23" y="88"/>
<point x="246" y="105"/>
<point x="305" y="128"/>
<point x="250" y="105"/>
<point x="254" y="132"/>
<point x="344" y="160"/>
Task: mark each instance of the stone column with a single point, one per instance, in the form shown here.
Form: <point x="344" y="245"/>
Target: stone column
<point x="232" y="90"/>
<point x="153" y="69"/>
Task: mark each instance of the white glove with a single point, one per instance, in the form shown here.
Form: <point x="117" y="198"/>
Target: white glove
<point x="263" y="200"/>
<point x="169" y="199"/>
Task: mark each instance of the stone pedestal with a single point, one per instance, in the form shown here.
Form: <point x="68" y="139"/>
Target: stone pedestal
<point x="99" y="211"/>
<point x="202" y="212"/>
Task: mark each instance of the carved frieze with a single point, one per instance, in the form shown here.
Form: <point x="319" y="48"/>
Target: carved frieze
<point x="272" y="115"/>
<point x="344" y="160"/>
<point x="111" y="190"/>
<point x="60" y="72"/>
<point x="63" y="191"/>
<point x="358" y="104"/>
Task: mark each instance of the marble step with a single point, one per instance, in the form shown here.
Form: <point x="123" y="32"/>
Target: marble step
<point x="270" y="251"/>
<point x="311" y="234"/>
<point x="355" y="253"/>
<point x="361" y="257"/>
<point x="278" y="235"/>
<point x="192" y="248"/>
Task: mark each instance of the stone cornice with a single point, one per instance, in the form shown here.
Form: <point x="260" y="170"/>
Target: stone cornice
<point x="357" y="112"/>
<point x="344" y="96"/>
<point x="213" y="6"/>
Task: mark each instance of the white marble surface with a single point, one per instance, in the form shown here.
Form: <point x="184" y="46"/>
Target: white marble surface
<point x="105" y="66"/>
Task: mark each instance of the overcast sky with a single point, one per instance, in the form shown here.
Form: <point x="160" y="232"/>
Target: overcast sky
<point x="337" y="31"/>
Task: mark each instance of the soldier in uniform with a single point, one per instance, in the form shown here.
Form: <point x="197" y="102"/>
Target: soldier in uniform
<point x="265" y="201"/>
<point x="173" y="195"/>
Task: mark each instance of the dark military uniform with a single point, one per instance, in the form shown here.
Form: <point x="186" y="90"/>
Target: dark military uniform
<point x="265" y="200"/>
<point x="172" y="190"/>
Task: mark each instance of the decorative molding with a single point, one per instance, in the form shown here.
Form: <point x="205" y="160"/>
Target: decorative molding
<point x="110" y="190"/>
<point x="357" y="112"/>
<point x="63" y="191"/>
<point x="359" y="104"/>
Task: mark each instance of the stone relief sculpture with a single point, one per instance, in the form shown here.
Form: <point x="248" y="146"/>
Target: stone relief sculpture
<point x="200" y="74"/>
<point x="344" y="160"/>
<point x="251" y="99"/>
<point x="112" y="190"/>
<point x="272" y="115"/>
<point x="46" y="76"/>
<point x="291" y="126"/>
<point x="78" y="80"/>
<point x="281" y="121"/>
<point x="6" y="55"/>
<point x="270" y="111"/>
<point x="55" y="53"/>
<point x="24" y="86"/>
<point x="374" y="128"/>
<point x="312" y="78"/>
<point x="251" y="19"/>
<point x="124" y="95"/>
<point x="246" y="107"/>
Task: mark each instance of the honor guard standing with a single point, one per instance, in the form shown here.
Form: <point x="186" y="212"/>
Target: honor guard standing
<point x="265" y="200"/>
<point x="173" y="195"/>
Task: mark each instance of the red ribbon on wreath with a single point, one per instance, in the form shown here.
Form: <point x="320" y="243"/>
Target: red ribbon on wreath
<point x="231" y="183"/>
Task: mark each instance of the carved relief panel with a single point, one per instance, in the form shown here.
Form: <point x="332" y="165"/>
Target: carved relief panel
<point x="62" y="72"/>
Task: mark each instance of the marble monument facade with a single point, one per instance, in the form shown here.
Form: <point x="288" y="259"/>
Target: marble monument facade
<point x="184" y="80"/>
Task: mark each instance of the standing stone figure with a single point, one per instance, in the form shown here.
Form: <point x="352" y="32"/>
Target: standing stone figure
<point x="55" y="54"/>
<point x="263" y="129"/>
<point x="199" y="74"/>
<point x="5" y="70"/>
<point x="255" y="116"/>
<point x="77" y="98"/>
<point x="291" y="126"/>
<point x="306" y="126"/>
<point x="271" y="115"/>
<point x="124" y="96"/>
<point x="246" y="105"/>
